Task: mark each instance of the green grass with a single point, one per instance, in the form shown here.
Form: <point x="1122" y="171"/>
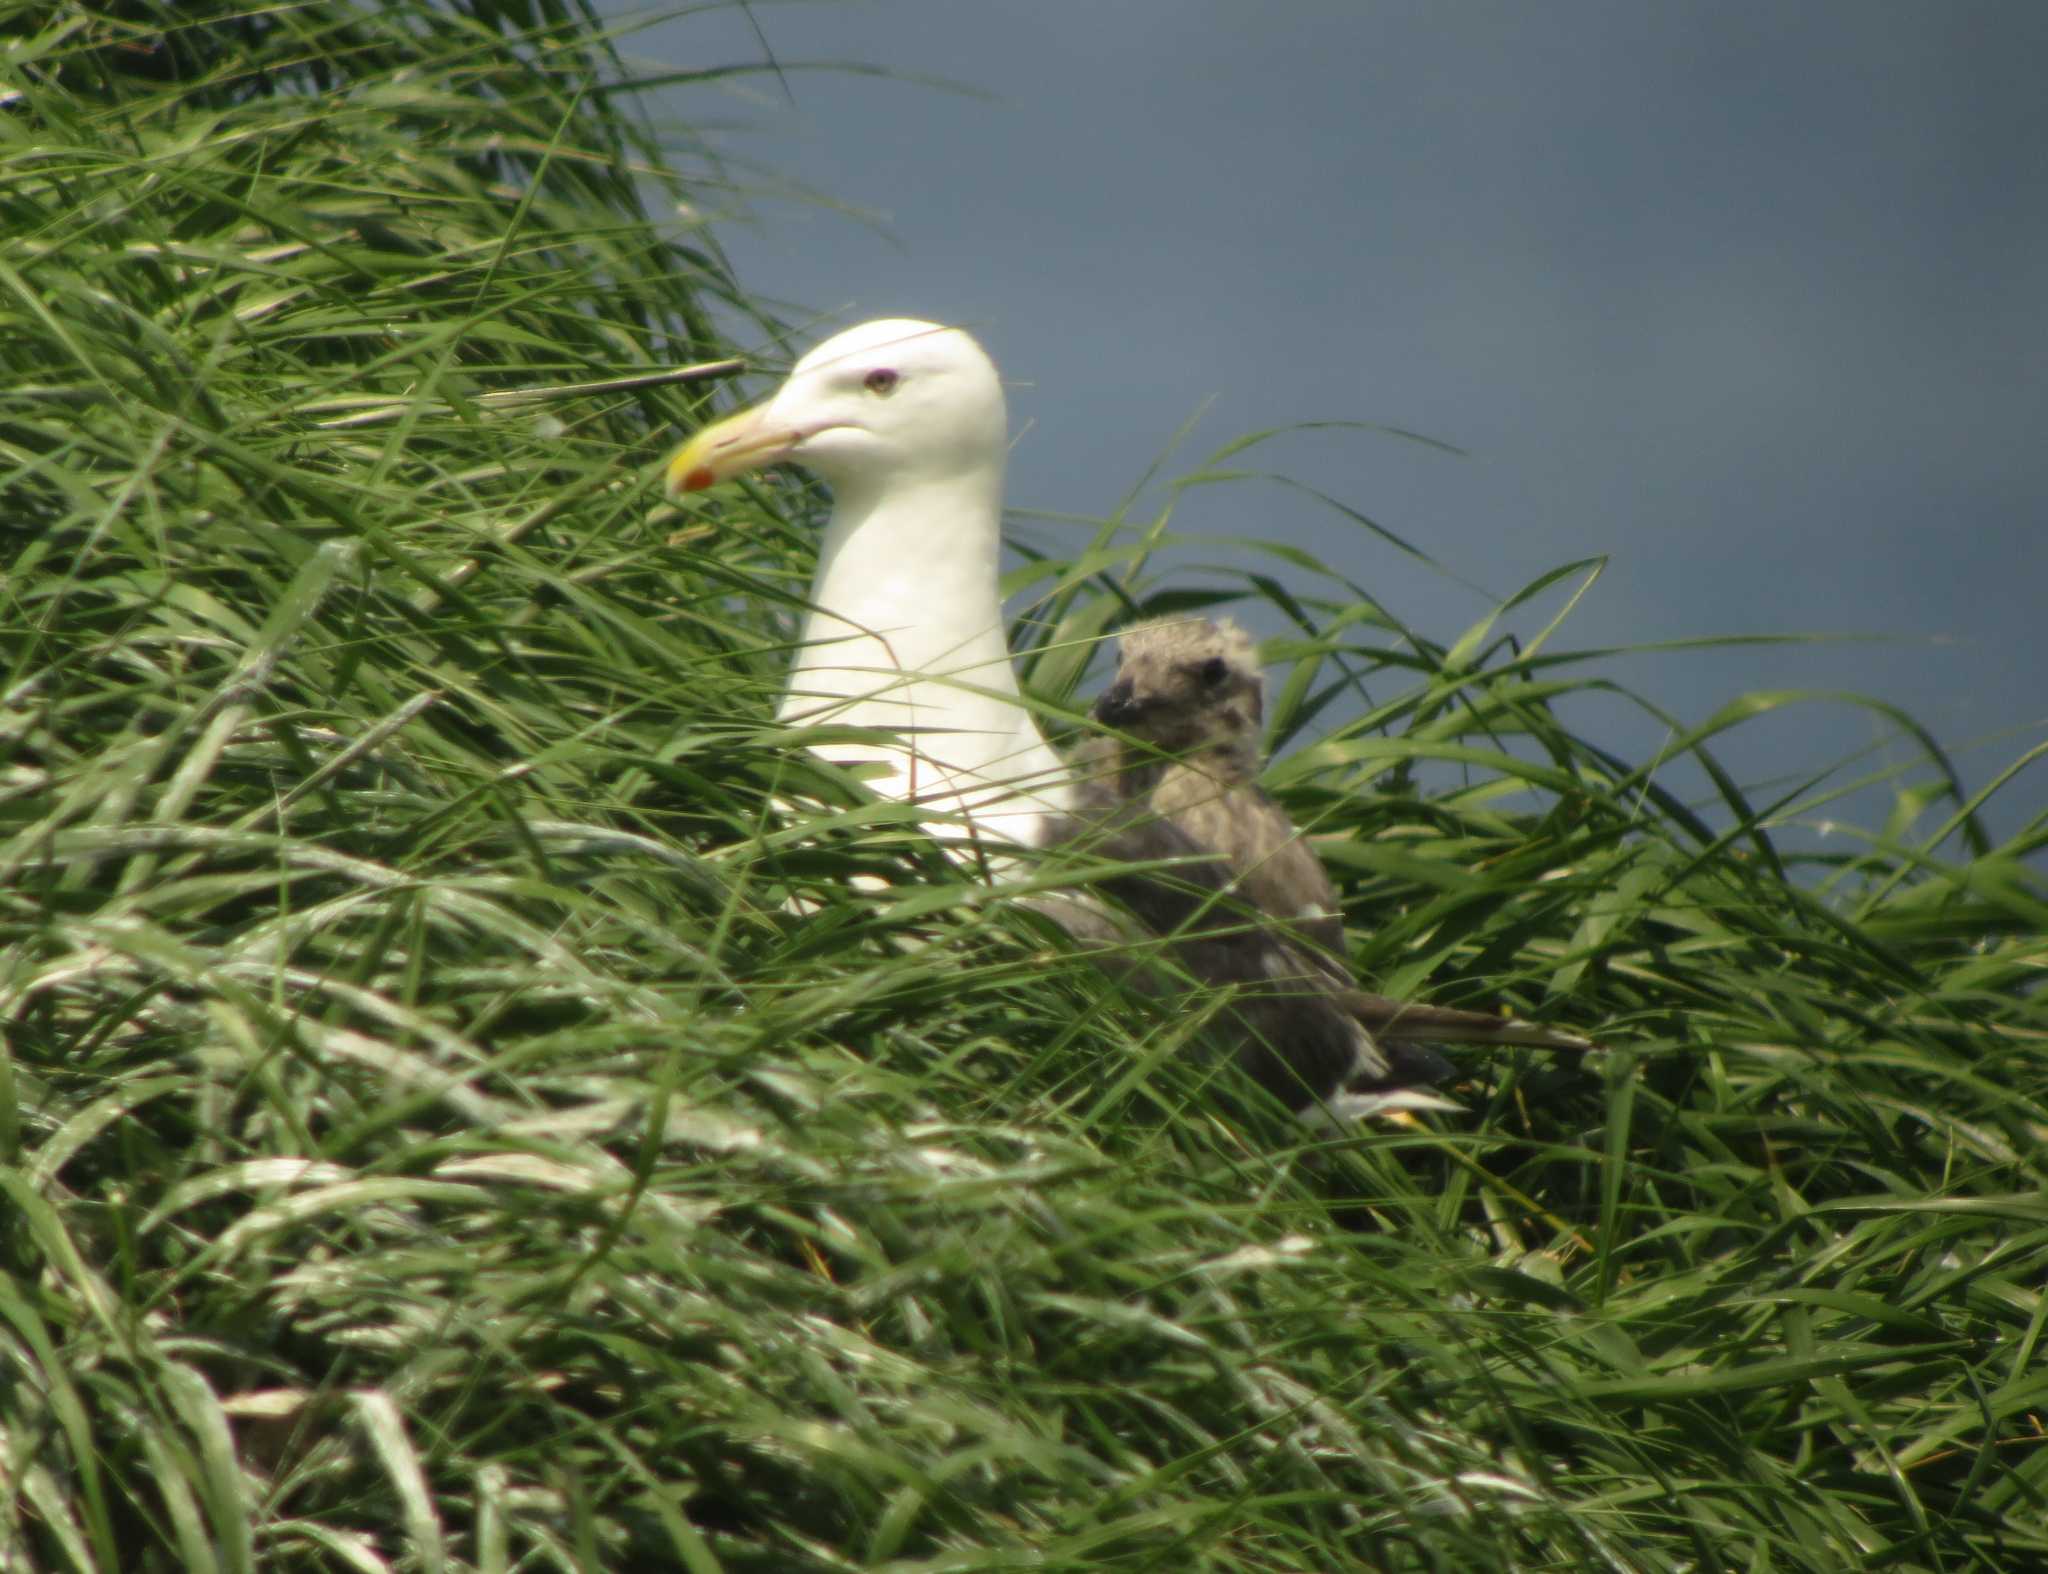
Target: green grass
<point x="430" y="1140"/>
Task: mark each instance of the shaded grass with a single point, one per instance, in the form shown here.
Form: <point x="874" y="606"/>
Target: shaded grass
<point x="430" y="1139"/>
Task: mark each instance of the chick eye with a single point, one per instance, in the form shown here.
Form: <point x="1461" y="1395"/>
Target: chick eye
<point x="1214" y="671"/>
<point x="881" y="381"/>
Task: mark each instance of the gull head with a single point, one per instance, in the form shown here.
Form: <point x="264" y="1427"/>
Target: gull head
<point x="1186" y="683"/>
<point x="890" y="403"/>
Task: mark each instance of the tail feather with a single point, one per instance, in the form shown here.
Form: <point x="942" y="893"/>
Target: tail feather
<point x="1384" y="1017"/>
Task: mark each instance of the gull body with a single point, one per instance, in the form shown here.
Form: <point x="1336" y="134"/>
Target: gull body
<point x="905" y="422"/>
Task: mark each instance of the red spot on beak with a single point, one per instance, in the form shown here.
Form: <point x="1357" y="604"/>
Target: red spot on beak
<point x="698" y="479"/>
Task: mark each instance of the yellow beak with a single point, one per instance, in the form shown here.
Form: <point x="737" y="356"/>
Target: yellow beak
<point x="727" y="448"/>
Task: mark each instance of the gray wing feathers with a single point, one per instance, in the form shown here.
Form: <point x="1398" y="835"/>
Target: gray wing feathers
<point x="1300" y="1041"/>
<point x="1275" y="867"/>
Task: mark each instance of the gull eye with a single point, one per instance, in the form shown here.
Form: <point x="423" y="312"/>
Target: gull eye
<point x="881" y="382"/>
<point x="1214" y="671"/>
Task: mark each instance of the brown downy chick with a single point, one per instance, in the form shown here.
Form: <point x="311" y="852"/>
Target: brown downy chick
<point x="1189" y="698"/>
<point x="1191" y="694"/>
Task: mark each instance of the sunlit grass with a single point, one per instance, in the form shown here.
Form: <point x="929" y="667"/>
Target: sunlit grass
<point x="458" y="1111"/>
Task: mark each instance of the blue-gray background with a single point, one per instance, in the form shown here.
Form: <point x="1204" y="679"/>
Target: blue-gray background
<point x="1749" y="297"/>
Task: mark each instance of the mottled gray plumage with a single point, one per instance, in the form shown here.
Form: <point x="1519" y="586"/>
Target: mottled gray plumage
<point x="1298" y="1038"/>
<point x="1187" y="701"/>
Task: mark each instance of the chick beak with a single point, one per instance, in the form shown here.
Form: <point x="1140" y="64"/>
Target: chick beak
<point x="1118" y="705"/>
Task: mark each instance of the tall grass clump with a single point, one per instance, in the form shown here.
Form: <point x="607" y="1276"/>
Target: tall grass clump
<point x="459" y="1109"/>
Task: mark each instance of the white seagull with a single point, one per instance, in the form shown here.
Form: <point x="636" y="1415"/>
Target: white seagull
<point x="904" y="421"/>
